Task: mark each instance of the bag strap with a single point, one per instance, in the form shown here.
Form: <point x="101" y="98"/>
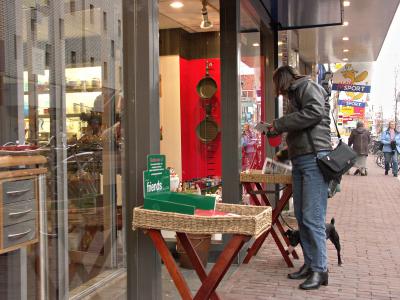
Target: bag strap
<point x="337" y="129"/>
<point x="311" y="140"/>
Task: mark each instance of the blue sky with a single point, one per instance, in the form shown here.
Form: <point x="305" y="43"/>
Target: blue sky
<point x="383" y="82"/>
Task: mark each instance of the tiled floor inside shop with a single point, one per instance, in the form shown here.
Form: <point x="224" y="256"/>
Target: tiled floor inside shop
<point x="366" y="213"/>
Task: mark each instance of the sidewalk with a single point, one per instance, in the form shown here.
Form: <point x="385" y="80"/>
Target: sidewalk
<point x="366" y="214"/>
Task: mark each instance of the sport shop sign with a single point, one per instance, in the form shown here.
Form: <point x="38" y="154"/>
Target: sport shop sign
<point x="351" y="103"/>
<point x="354" y="80"/>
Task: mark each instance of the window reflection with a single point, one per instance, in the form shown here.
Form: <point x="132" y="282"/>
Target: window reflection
<point x="63" y="83"/>
<point x="252" y="96"/>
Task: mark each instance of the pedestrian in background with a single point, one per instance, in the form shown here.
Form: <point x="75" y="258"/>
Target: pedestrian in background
<point x="359" y="139"/>
<point x="390" y="138"/>
<point x="248" y="146"/>
<point x="307" y="122"/>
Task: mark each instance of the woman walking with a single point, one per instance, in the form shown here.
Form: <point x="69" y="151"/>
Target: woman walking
<point x="390" y="139"/>
<point x="307" y="122"/>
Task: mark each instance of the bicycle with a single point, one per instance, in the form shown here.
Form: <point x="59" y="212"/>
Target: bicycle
<point x="380" y="160"/>
<point x="374" y="147"/>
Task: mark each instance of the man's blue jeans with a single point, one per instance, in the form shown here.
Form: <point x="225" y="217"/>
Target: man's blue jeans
<point x="391" y="159"/>
<point x="310" y="195"/>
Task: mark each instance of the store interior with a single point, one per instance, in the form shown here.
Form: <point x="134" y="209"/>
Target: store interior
<point x="190" y="94"/>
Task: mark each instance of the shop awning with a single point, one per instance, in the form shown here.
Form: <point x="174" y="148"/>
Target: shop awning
<point x="294" y="14"/>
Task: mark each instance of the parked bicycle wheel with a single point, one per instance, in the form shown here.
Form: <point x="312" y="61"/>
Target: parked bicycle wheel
<point x="380" y="159"/>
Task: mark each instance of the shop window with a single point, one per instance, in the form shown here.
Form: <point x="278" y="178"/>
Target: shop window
<point x="47" y="55"/>
<point x="72" y="7"/>
<point x="252" y="100"/>
<point x="91" y="13"/>
<point x="15" y="46"/>
<point x="73" y="58"/>
<point x="55" y="98"/>
<point x="104" y="21"/>
<point x="105" y="71"/>
<point x="190" y="96"/>
<point x="61" y="28"/>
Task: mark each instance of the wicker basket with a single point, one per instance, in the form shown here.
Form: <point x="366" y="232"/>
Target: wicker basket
<point x="253" y="220"/>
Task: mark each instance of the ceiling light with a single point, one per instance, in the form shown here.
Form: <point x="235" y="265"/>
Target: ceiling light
<point x="256" y="45"/>
<point x="176" y="4"/>
<point x="205" y="24"/>
<point x="280" y="54"/>
<point x="345" y="59"/>
<point x="345" y="23"/>
<point x="346" y="50"/>
<point x="280" y="43"/>
<point x="346" y="3"/>
<point x="345" y="38"/>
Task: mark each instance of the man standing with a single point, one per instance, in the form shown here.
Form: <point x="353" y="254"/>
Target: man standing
<point x="390" y="139"/>
<point x="359" y="139"/>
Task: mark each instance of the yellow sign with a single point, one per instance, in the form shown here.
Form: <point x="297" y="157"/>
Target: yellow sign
<point x="347" y="110"/>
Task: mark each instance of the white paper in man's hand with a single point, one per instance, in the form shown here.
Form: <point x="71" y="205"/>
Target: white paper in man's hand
<point x="263" y="127"/>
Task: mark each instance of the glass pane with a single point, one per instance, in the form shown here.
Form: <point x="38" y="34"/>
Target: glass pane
<point x="93" y="106"/>
<point x="190" y="115"/>
<point x="252" y="98"/>
<point x="190" y="108"/>
<point x="62" y="66"/>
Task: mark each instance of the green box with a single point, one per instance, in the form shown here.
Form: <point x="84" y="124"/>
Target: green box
<point x="178" y="202"/>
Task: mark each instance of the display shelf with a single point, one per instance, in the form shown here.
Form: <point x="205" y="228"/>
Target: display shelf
<point x="97" y="90"/>
<point x="74" y="115"/>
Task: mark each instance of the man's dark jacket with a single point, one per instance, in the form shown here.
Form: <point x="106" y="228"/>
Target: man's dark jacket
<point x="308" y="110"/>
<point x="359" y="139"/>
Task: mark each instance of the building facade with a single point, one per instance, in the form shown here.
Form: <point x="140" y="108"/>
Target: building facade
<point x="93" y="87"/>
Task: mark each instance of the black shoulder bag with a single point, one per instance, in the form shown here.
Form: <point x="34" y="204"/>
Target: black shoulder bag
<point x="337" y="162"/>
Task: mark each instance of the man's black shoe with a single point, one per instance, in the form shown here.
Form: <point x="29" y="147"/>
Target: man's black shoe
<point x="304" y="272"/>
<point x="314" y="281"/>
<point x="386" y="172"/>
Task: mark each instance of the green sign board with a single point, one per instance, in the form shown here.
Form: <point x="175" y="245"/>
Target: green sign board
<point x="156" y="179"/>
<point x="155" y="162"/>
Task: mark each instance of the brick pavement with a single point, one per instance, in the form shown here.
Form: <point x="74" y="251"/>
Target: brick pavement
<point x="366" y="213"/>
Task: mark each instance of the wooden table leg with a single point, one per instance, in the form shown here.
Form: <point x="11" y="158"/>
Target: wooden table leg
<point x="249" y="190"/>
<point x="195" y="260"/>
<point x="263" y="196"/>
<point x="170" y="264"/>
<point x="253" y="250"/>
<point x="281" y="248"/>
<point x="285" y="238"/>
<point x="287" y="193"/>
<point x="221" y="266"/>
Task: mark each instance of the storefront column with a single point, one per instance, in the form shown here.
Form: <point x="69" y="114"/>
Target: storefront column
<point x="58" y="248"/>
<point x="230" y="99"/>
<point x="141" y="137"/>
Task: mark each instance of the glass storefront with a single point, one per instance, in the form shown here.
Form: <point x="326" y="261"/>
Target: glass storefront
<point x="62" y="114"/>
<point x="252" y="97"/>
<point x="190" y="94"/>
<point x="62" y="95"/>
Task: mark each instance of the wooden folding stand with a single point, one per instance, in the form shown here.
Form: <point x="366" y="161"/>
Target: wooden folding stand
<point x="209" y="282"/>
<point x="244" y="223"/>
<point x="252" y="182"/>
